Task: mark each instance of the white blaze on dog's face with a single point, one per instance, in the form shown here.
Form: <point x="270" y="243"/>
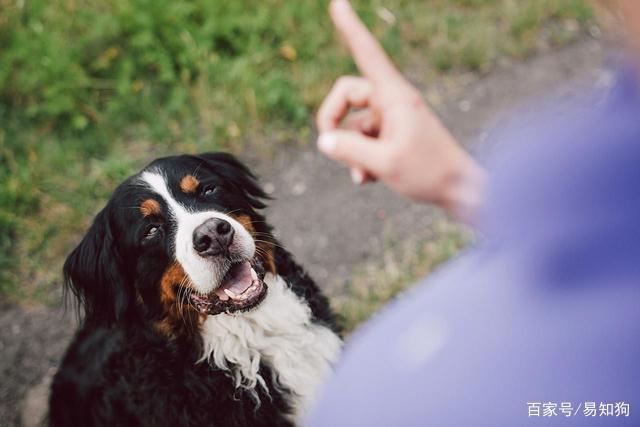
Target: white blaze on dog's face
<point x="198" y="242"/>
<point x="204" y="269"/>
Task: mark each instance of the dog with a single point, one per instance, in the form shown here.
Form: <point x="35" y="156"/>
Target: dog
<point x="192" y="312"/>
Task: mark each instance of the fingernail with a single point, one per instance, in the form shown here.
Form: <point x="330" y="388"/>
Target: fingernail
<point x="357" y="176"/>
<point x="327" y="142"/>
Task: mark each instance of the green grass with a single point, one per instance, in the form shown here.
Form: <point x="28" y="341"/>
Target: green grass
<point x="403" y="263"/>
<point x="91" y="90"/>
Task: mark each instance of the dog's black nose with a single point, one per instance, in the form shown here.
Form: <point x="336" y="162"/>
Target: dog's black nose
<point x="213" y="237"/>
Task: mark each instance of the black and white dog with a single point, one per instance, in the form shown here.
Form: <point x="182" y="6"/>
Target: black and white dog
<point x="193" y="313"/>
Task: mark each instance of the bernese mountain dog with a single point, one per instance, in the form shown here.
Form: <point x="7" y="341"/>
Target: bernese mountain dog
<point x="193" y="314"/>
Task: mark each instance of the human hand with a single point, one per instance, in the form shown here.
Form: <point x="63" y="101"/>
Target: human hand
<point x="395" y="137"/>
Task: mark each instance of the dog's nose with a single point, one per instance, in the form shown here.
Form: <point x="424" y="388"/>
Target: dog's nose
<point x="213" y="237"/>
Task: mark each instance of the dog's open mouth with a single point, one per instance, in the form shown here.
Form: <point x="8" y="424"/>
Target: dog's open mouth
<point x="242" y="288"/>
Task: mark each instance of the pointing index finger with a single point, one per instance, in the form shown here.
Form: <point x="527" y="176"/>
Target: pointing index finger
<point x="370" y="58"/>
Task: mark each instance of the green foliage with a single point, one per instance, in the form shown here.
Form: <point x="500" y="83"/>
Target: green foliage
<point x="91" y="90"/>
<point x="69" y="67"/>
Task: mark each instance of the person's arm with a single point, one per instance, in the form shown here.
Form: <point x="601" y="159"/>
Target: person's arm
<point x="395" y="138"/>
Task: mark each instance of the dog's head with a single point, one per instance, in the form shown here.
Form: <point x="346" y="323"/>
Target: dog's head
<point x="180" y="240"/>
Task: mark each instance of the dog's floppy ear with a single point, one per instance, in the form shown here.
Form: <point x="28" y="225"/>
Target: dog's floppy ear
<point x="239" y="175"/>
<point x="94" y="273"/>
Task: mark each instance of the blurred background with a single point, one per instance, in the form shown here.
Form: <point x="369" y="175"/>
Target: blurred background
<point x="91" y="91"/>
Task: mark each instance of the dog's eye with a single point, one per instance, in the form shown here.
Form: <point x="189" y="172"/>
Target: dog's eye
<point x="151" y="231"/>
<point x="208" y="190"/>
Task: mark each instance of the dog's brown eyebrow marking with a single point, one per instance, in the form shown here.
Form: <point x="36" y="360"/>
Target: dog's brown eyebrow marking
<point x="150" y="207"/>
<point x="189" y="184"/>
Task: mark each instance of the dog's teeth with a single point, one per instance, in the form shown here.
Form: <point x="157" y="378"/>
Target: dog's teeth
<point x="230" y="293"/>
<point x="254" y="275"/>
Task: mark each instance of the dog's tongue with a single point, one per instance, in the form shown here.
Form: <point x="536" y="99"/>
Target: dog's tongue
<point x="237" y="280"/>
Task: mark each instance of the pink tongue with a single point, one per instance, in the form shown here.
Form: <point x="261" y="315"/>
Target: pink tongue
<point x="237" y="280"/>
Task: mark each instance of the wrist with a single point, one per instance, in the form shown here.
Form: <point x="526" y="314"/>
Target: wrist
<point x="463" y="187"/>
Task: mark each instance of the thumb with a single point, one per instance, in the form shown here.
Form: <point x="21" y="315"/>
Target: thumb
<point x="355" y="150"/>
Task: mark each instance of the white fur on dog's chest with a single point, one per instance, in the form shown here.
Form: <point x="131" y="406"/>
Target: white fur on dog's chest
<point x="280" y="334"/>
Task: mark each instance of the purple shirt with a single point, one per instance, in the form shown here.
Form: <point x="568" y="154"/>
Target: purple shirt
<point x="539" y="323"/>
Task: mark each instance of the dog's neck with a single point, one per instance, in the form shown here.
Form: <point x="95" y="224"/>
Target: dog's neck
<point x="279" y="334"/>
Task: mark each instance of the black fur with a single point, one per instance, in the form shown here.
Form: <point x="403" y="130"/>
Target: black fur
<point x="119" y="369"/>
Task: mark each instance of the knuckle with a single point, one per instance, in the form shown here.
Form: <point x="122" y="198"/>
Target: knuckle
<point x="349" y="82"/>
<point x="342" y="81"/>
<point x="389" y="167"/>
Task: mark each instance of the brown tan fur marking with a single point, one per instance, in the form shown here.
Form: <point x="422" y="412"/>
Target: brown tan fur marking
<point x="189" y="184"/>
<point x="263" y="248"/>
<point x="150" y="207"/>
<point x="177" y="316"/>
<point x="174" y="274"/>
<point x="246" y="222"/>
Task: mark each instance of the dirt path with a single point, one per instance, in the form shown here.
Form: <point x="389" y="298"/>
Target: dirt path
<point x="330" y="225"/>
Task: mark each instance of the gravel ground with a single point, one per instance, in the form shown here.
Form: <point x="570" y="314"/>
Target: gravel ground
<point x="330" y="225"/>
